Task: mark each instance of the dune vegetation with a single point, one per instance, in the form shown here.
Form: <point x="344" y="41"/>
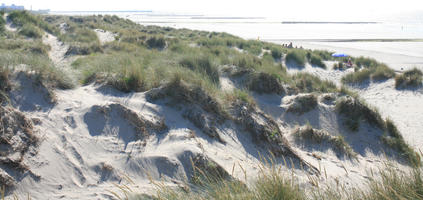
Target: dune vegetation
<point x="368" y="69"/>
<point x="410" y="78"/>
<point x="274" y="183"/>
<point x="145" y="58"/>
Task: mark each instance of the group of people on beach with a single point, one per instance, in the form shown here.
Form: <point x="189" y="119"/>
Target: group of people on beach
<point x="290" y="46"/>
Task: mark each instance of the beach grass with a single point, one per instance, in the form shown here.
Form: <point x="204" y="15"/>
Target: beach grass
<point x="31" y="31"/>
<point x="316" y="60"/>
<point x="410" y="78"/>
<point x="34" y="59"/>
<point x="308" y="134"/>
<point x="156" y="42"/>
<point x="21" y="18"/>
<point x="276" y="53"/>
<point x="388" y="183"/>
<point x="2" y="23"/>
<point x="368" y="69"/>
<point x="296" y="56"/>
<point x="305" y="82"/>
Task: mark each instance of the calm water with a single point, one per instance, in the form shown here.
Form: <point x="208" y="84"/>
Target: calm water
<point x="273" y="29"/>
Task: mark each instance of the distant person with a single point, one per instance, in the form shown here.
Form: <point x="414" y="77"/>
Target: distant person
<point x="349" y="63"/>
<point x="290" y="45"/>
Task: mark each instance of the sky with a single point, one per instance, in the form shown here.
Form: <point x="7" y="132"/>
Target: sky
<point x="318" y="9"/>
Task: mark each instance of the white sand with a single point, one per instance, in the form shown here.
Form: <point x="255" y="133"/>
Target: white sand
<point x="8" y="25"/>
<point x="76" y="143"/>
<point x="105" y="36"/>
<point x="402" y="106"/>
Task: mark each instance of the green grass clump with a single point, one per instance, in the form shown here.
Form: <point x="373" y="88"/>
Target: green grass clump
<point x="302" y="104"/>
<point x="339" y="66"/>
<point x="270" y="184"/>
<point x="156" y="42"/>
<point x="318" y="136"/>
<point x="305" y="82"/>
<point x="38" y="63"/>
<point x="366" y="62"/>
<point x="382" y="72"/>
<point x="317" y="61"/>
<point x="79" y="35"/>
<point x="378" y="73"/>
<point x="84" y="48"/>
<point x="370" y="70"/>
<point x="2" y="23"/>
<point x="410" y="78"/>
<point x="396" y="185"/>
<point x="202" y="65"/>
<point x="357" y="77"/>
<point x="323" y="54"/>
<point x="29" y="46"/>
<point x="21" y="18"/>
<point x="246" y="61"/>
<point x="253" y="47"/>
<point x="356" y="111"/>
<point x="5" y="85"/>
<point x="31" y="31"/>
<point x="264" y="83"/>
<point x="81" y="40"/>
<point x="239" y="95"/>
<point x="276" y="53"/>
<point x="296" y="56"/>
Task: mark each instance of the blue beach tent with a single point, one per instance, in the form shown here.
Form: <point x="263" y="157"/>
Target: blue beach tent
<point x="339" y="55"/>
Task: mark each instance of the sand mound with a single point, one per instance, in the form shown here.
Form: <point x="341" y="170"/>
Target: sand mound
<point x="117" y="120"/>
<point x="265" y="131"/>
<point x="308" y="136"/>
<point x="355" y="111"/>
<point x="28" y="92"/>
<point x="265" y="83"/>
<point x="302" y="103"/>
<point x="198" y="107"/>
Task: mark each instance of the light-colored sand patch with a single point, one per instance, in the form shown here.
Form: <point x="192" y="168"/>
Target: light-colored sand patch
<point x="57" y="51"/>
<point x="8" y="25"/>
<point x="77" y="144"/>
<point x="104" y="36"/>
<point x="404" y="107"/>
<point x="365" y="142"/>
<point x="226" y="84"/>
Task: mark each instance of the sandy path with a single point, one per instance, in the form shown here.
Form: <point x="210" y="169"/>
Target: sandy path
<point x="57" y="51"/>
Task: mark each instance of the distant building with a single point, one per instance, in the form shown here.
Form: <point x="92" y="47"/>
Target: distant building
<point x="11" y="7"/>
